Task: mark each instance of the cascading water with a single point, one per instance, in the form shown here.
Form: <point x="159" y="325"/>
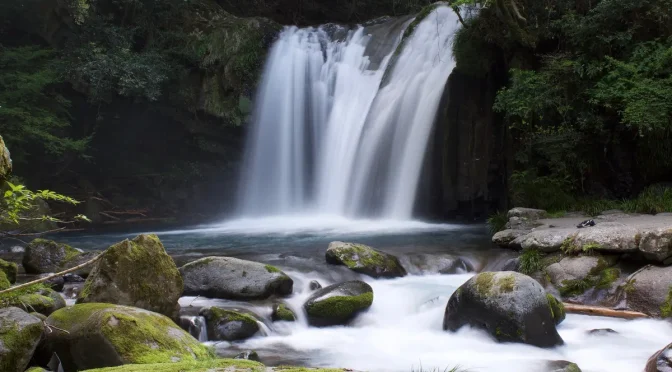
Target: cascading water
<point x="329" y="137"/>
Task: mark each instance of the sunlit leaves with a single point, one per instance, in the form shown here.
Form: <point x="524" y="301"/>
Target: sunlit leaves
<point x="17" y="202"/>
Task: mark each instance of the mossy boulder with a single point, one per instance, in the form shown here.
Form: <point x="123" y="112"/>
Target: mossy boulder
<point x="588" y="279"/>
<point x="136" y="273"/>
<point x="106" y="335"/>
<point x="562" y="366"/>
<point x="365" y="260"/>
<point x="510" y="306"/>
<point x="649" y="290"/>
<point x="557" y="309"/>
<point x="4" y="282"/>
<point x="212" y="365"/>
<point x="229" y="325"/>
<point x="338" y="304"/>
<point x="46" y="256"/>
<point x="236" y="279"/>
<point x="282" y="312"/>
<point x="5" y="161"/>
<point x="39" y="299"/>
<point x="661" y="361"/>
<point x="20" y="333"/>
<point x="10" y="269"/>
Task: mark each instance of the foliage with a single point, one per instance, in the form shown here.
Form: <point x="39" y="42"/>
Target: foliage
<point x="530" y="261"/>
<point x="32" y="112"/>
<point x="497" y="222"/>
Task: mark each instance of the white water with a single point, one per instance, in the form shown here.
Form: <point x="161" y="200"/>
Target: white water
<point x="402" y="332"/>
<point x="328" y="140"/>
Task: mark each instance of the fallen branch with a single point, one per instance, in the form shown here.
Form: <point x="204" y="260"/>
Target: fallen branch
<point x="602" y="311"/>
<point x="41" y="280"/>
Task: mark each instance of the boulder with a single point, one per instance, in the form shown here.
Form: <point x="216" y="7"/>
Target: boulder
<point x="56" y="283"/>
<point x="39" y="299"/>
<point x="314" y="285"/>
<point x="656" y="244"/>
<point x="106" y="335"/>
<point x="364" y="260"/>
<point x="608" y="236"/>
<point x="510" y="306"/>
<point x="562" y="366"/>
<point x="46" y="256"/>
<point x="5" y="161"/>
<point x="20" y="333"/>
<point x="661" y="361"/>
<point x="649" y="290"/>
<point x="338" y="304"/>
<point x="282" y="313"/>
<point x="586" y="279"/>
<point x="527" y="213"/>
<point x="10" y="269"/>
<point x="546" y="240"/>
<point x="505" y="238"/>
<point x="229" y="325"/>
<point x="136" y="273"/>
<point x="232" y="278"/>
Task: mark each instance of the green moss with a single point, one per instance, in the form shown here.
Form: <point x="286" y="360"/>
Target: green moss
<point x="10" y="269"/>
<point x="572" y="367"/>
<point x="232" y="316"/>
<point x="284" y="313"/>
<point x="666" y="307"/>
<point x="590" y="247"/>
<point x="272" y="269"/>
<point x="608" y="277"/>
<point x="629" y="286"/>
<point x="4" y="282"/>
<point x="484" y="282"/>
<point x="36" y="369"/>
<point x="358" y="256"/>
<point x="506" y="284"/>
<point x="497" y="222"/>
<point x="201" y="366"/>
<point x="28" y="297"/>
<point x="557" y="308"/>
<point x="530" y="261"/>
<point x="576" y="286"/>
<point x="340" y="307"/>
<point x="569" y="245"/>
<point x="137" y="336"/>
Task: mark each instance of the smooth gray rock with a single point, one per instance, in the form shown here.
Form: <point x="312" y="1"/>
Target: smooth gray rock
<point x="661" y="361"/>
<point x="649" y="290"/>
<point x="363" y="259"/>
<point x="510" y="306"/>
<point x="580" y="267"/>
<point x="20" y="333"/>
<point x="529" y="213"/>
<point x="547" y="240"/>
<point x="609" y="236"/>
<point x="229" y="325"/>
<point x="506" y="238"/>
<point x="338" y="304"/>
<point x="233" y="278"/>
<point x="656" y="244"/>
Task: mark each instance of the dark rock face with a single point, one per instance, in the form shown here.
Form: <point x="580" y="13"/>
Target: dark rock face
<point x="660" y="361"/>
<point x="314" y="285"/>
<point x="232" y="278"/>
<point x="229" y="325"/>
<point x="136" y="273"/>
<point x="512" y="307"/>
<point x="365" y="260"/>
<point x="56" y="283"/>
<point x="338" y="304"/>
<point x="20" y="333"/>
<point x="45" y="256"/>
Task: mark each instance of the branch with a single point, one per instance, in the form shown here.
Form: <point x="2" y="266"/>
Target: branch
<point x="602" y="311"/>
<point x="459" y="16"/>
<point x="41" y="280"/>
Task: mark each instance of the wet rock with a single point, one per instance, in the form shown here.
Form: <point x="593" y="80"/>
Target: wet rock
<point x="314" y="285"/>
<point x="562" y="366"/>
<point x="557" y="309"/>
<point x="248" y="355"/>
<point x="649" y="290"/>
<point x="510" y="306"/>
<point x="46" y="256"/>
<point x="229" y="325"/>
<point x="43" y="300"/>
<point x="73" y="278"/>
<point x="56" y="283"/>
<point x="661" y="361"/>
<point x="10" y="269"/>
<point x="136" y="273"/>
<point x="20" y="333"/>
<point x="512" y="264"/>
<point x="105" y="335"/>
<point x="365" y="260"/>
<point x="506" y="238"/>
<point x="85" y="271"/>
<point x="72" y="290"/>
<point x="232" y="278"/>
<point x="602" y="332"/>
<point x="338" y="304"/>
<point x="656" y="244"/>
<point x="436" y="264"/>
<point x="282" y="313"/>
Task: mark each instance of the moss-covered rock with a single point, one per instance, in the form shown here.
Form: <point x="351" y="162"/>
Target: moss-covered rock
<point x="282" y="313"/>
<point x="557" y="309"/>
<point x="649" y="290"/>
<point x="39" y="299"/>
<point x="229" y="325"/>
<point x="510" y="306"/>
<point x="214" y="365"/>
<point x="5" y="161"/>
<point x="105" y="335"/>
<point x="10" y="269"/>
<point x="20" y="333"/>
<point x="46" y="256"/>
<point x="136" y="273"/>
<point x="4" y="282"/>
<point x="364" y="259"/>
<point x="338" y="304"/>
<point x="232" y="278"/>
<point x="562" y="366"/>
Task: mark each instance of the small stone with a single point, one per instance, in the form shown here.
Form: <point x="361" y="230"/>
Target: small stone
<point x="363" y="259"/>
<point x="602" y="332"/>
<point x="314" y="285"/>
<point x="338" y="304"/>
<point x="248" y="355"/>
<point x="282" y="313"/>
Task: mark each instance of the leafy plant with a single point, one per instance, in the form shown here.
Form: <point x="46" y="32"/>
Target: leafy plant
<point x="497" y="222"/>
<point x="530" y="261"/>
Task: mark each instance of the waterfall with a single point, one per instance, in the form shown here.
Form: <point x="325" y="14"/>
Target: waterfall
<point x="330" y="135"/>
